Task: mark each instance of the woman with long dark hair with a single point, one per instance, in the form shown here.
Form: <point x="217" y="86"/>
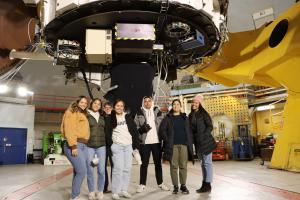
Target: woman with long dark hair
<point x="124" y="138"/>
<point x="75" y="129"/>
<point x="96" y="149"/>
<point x="201" y="125"/>
<point x="177" y="144"/>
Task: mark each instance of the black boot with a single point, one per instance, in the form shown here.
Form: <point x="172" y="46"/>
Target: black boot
<point x="206" y="187"/>
<point x="175" y="191"/>
<point x="184" y="189"/>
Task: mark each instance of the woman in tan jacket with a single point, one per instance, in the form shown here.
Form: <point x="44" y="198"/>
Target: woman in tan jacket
<point x="75" y="129"/>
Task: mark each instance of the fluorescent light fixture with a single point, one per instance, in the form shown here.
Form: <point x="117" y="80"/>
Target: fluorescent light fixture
<point x="267" y="107"/>
<point x="23" y="91"/>
<point x="3" y="89"/>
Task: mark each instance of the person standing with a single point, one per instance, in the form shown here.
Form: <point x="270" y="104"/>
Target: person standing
<point x="75" y="129"/>
<point x="201" y="125"/>
<point x="96" y="149"/>
<point x="148" y="120"/>
<point x="177" y="144"/>
<point x="107" y="108"/>
<point x="124" y="138"/>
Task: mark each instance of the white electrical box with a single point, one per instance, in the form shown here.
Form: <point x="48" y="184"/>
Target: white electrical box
<point x="194" y="3"/>
<point x="98" y="47"/>
<point x="64" y="5"/>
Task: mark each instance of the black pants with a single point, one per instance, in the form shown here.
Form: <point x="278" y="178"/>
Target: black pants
<point x="145" y="151"/>
<point x="108" y="157"/>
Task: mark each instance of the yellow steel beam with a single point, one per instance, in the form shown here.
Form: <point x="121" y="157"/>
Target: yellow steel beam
<point x="287" y="149"/>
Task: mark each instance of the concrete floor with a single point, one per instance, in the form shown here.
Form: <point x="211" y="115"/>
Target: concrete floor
<point x="232" y="180"/>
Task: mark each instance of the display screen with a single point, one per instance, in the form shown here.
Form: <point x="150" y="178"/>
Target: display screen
<point x="135" y="31"/>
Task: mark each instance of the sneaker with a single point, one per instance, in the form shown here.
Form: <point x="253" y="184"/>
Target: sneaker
<point x="141" y="188"/>
<point x="175" y="191"/>
<point x="76" y="198"/>
<point x="164" y="187"/>
<point x="115" y="196"/>
<point x="99" y="195"/>
<point x="125" y="194"/>
<point x="92" y="196"/>
<point x="184" y="189"/>
<point x="206" y="187"/>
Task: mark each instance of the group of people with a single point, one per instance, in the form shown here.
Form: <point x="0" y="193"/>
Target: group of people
<point x="95" y="134"/>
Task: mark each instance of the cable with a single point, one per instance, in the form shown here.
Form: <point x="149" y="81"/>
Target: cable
<point x="158" y="78"/>
<point x="162" y="65"/>
<point x="28" y="29"/>
<point x="86" y="83"/>
<point x="10" y="74"/>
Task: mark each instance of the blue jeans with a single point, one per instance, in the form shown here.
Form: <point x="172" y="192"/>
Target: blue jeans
<point x="101" y="154"/>
<point x="79" y="165"/>
<point x="207" y="169"/>
<point x="122" y="159"/>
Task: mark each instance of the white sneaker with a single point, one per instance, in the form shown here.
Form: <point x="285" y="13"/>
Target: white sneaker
<point x="115" y="196"/>
<point x="99" y="195"/>
<point x="164" y="187"/>
<point x="141" y="188"/>
<point x="76" y="198"/>
<point x="125" y="194"/>
<point x="92" y="196"/>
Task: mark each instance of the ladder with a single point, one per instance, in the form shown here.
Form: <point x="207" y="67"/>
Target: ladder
<point x="164" y="6"/>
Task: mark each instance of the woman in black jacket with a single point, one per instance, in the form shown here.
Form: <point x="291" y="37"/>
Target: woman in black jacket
<point x="177" y="144"/>
<point x="96" y="149"/>
<point x="124" y="137"/>
<point x="202" y="127"/>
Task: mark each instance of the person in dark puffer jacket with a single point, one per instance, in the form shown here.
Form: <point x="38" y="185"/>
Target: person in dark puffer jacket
<point x="96" y="149"/>
<point x="201" y="125"/>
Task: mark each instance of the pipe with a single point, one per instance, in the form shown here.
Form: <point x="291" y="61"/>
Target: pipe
<point x="86" y="83"/>
<point x="47" y="12"/>
<point x="270" y="92"/>
<point x="24" y="55"/>
<point x="233" y="91"/>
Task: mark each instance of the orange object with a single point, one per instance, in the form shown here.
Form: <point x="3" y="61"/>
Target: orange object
<point x="220" y="152"/>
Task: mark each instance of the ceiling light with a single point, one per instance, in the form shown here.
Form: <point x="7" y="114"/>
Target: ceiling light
<point x="3" y="89"/>
<point x="267" y="107"/>
<point x="22" y="91"/>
